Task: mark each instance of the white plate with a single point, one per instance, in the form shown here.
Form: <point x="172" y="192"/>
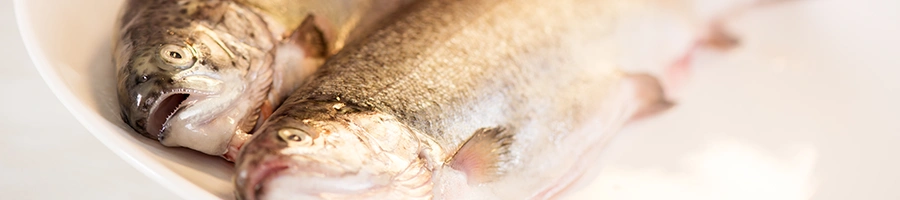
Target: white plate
<point x="806" y="108"/>
<point x="70" y="43"/>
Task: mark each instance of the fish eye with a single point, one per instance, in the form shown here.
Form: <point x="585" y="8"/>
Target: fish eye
<point x="291" y="135"/>
<point x="142" y="79"/>
<point x="295" y="138"/>
<point x="177" y="56"/>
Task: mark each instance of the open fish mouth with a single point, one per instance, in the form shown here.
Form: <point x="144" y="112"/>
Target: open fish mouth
<point x="253" y="183"/>
<point x="167" y="106"/>
<point x="280" y="175"/>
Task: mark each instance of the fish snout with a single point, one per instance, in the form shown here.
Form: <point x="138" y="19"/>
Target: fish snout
<point x="147" y="101"/>
<point x="302" y="177"/>
<point x="249" y="182"/>
<point x="137" y="95"/>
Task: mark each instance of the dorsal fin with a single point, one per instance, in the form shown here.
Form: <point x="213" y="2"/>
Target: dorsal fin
<point x="647" y="93"/>
<point x="482" y="156"/>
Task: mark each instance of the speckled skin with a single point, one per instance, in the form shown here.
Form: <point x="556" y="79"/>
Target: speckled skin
<point x="241" y="58"/>
<point x="147" y="25"/>
<point x="465" y="62"/>
<point x="445" y="68"/>
<point x="455" y="66"/>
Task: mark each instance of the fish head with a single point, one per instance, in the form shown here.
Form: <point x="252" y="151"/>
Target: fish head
<point x="359" y="155"/>
<point x="185" y="82"/>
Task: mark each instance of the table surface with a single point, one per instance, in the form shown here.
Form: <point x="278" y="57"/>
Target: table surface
<point x="824" y="133"/>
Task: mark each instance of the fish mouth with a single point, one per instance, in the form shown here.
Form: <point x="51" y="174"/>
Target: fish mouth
<point x="254" y="183"/>
<point x="303" y="179"/>
<point x="166" y="107"/>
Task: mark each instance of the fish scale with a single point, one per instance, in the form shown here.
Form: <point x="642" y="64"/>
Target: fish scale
<point x="494" y="99"/>
<point x="443" y="72"/>
<point x="450" y="75"/>
<point x="202" y="74"/>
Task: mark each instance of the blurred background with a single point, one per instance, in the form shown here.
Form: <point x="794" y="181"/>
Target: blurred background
<point x="806" y="108"/>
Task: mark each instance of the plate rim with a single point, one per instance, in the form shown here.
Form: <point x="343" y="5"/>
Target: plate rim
<point x="131" y="154"/>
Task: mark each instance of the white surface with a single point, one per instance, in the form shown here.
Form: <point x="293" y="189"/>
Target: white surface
<point x="70" y="43"/>
<point x="806" y="108"/>
<point x="44" y="152"/>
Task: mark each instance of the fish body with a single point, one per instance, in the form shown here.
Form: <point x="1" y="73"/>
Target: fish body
<point x="203" y="74"/>
<point x="454" y="99"/>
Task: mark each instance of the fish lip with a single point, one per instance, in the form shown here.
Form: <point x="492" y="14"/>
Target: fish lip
<point x="192" y="97"/>
<point x="253" y="183"/>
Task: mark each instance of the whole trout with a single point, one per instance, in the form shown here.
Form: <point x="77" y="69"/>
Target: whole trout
<point x="202" y="74"/>
<point x="456" y="99"/>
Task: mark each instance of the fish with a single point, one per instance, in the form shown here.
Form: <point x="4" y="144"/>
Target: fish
<point x="458" y="99"/>
<point x="203" y="74"/>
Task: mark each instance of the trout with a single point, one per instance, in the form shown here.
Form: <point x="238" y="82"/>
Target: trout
<point x="202" y="74"/>
<point x="457" y="99"/>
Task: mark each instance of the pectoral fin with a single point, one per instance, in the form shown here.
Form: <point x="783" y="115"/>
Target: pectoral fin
<point x="717" y="37"/>
<point x="310" y="38"/>
<point x="648" y="95"/>
<point x="266" y="110"/>
<point x="481" y="157"/>
<point x="713" y="36"/>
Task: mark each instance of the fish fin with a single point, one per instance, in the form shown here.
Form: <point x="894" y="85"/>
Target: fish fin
<point x="310" y="38"/>
<point x="481" y="156"/>
<point x="265" y="111"/>
<point x="714" y="36"/>
<point x="649" y="93"/>
<point x="717" y="37"/>
<point x="676" y="74"/>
